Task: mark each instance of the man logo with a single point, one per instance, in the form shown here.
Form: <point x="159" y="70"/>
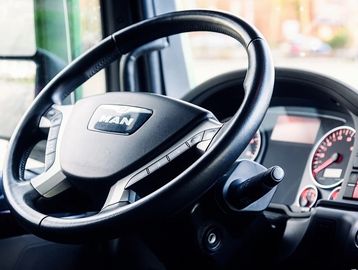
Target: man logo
<point x="119" y="119"/>
<point x="116" y="120"/>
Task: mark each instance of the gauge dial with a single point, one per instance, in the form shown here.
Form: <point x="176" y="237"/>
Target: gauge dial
<point x="334" y="194"/>
<point x="308" y="197"/>
<point x="331" y="155"/>
<point x="253" y="149"/>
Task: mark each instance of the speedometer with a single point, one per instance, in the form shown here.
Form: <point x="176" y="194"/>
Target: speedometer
<point x="331" y="155"/>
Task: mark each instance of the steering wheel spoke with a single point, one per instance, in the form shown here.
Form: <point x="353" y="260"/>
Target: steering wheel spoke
<point x="199" y="139"/>
<point x="119" y="195"/>
<point x="53" y="181"/>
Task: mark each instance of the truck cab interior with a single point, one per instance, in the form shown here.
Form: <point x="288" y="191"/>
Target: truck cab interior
<point x="178" y="134"/>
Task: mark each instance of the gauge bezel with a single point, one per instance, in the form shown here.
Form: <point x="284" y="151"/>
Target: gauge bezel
<point x="299" y="195"/>
<point x="314" y="150"/>
<point x="330" y="194"/>
<point x="258" y="148"/>
<point x="258" y="145"/>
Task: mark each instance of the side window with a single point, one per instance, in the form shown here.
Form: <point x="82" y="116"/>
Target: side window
<point x="39" y="38"/>
<point x="86" y="31"/>
<point x="17" y="71"/>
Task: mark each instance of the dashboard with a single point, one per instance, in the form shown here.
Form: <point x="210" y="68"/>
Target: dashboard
<point x="314" y="148"/>
<point x="309" y="130"/>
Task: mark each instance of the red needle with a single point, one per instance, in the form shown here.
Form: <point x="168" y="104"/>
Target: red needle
<point x="325" y="164"/>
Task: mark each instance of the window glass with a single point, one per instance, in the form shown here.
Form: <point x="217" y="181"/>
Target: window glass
<point x="317" y="35"/>
<point x="16" y="77"/>
<point x="91" y="34"/>
<point x="39" y="38"/>
<point x="18" y="32"/>
<point x="16" y="92"/>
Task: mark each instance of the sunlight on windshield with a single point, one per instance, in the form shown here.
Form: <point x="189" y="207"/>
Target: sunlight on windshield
<point x="317" y="35"/>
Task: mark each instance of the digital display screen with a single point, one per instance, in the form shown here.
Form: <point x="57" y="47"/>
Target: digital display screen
<point x="296" y="129"/>
<point x="332" y="173"/>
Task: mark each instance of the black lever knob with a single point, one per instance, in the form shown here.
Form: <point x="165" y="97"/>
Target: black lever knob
<point x="241" y="194"/>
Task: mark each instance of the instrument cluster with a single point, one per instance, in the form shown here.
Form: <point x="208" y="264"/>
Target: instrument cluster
<point x="311" y="146"/>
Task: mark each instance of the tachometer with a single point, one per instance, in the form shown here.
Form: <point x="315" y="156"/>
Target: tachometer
<point x="253" y="149"/>
<point x="331" y="155"/>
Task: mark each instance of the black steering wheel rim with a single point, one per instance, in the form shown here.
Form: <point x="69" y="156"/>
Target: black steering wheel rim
<point x="191" y="183"/>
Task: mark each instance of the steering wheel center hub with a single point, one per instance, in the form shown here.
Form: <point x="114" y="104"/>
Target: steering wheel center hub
<point x="110" y="135"/>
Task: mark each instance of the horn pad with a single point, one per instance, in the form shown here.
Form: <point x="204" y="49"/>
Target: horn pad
<point x="110" y="135"/>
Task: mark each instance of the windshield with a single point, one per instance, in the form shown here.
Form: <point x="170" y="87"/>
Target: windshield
<point x="315" y="35"/>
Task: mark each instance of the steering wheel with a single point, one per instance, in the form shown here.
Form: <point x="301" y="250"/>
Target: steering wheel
<point x="120" y="141"/>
